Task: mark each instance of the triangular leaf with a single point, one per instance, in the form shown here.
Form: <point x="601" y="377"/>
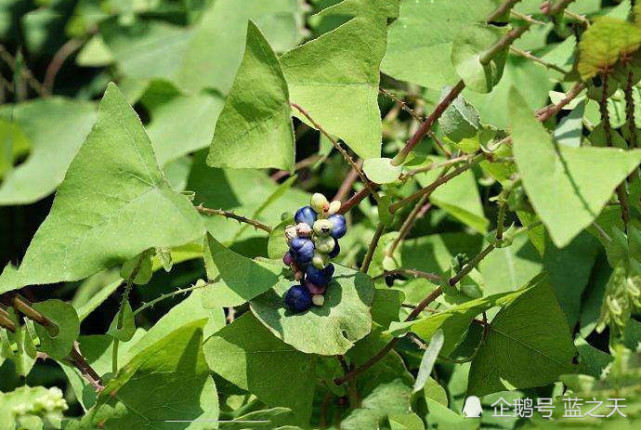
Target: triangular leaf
<point x="254" y="129"/>
<point x="113" y="204"/>
<point x="583" y="179"/>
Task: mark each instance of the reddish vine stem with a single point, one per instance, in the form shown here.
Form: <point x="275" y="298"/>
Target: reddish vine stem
<point x="353" y="201"/>
<point x="607" y="131"/>
<point x="372" y="247"/>
<point x="501" y="10"/>
<point x="503" y="44"/>
<point x="228" y="214"/>
<point x="71" y="46"/>
<point x="347" y="184"/>
<point x="553" y="109"/>
<point x="534" y="58"/>
<point x="552" y="10"/>
<point x="629" y="111"/>
<point x="438" y="182"/>
<point x="340" y="149"/>
<point x="407" y="225"/>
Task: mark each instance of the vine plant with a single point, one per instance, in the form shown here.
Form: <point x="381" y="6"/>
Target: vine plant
<point x="439" y="293"/>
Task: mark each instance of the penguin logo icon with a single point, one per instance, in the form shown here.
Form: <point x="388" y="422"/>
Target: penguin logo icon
<point x="472" y="407"/>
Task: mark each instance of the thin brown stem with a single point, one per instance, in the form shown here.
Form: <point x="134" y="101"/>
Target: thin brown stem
<point x="407" y="225"/>
<point x="309" y="161"/>
<point x="501" y="10"/>
<point x="372" y="247"/>
<point x="426" y="126"/>
<point x="402" y="104"/>
<point x="553" y="109"/>
<point x="348" y="183"/>
<point x="536" y="59"/>
<point x="229" y="214"/>
<point x="68" y="48"/>
<point x="22" y="71"/>
<point x="433" y="166"/>
<point x="78" y="360"/>
<point x="471" y="265"/>
<point x="438" y="182"/>
<point x="340" y="149"/>
<point x="503" y="43"/>
<point x="548" y="9"/>
<point x="629" y="110"/>
<point x="353" y="201"/>
<point x="433" y="277"/>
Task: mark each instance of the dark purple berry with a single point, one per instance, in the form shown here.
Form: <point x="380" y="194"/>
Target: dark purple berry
<point x="306" y="215"/>
<point x="335" y="251"/>
<point x="315" y="289"/>
<point x="298" y="298"/>
<point x="319" y="277"/>
<point x="302" y="249"/>
<point x="340" y="227"/>
<point x="288" y="259"/>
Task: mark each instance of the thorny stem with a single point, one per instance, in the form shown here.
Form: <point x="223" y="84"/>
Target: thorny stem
<point x="551" y="10"/>
<point x="437" y="183"/>
<point x="502" y="44"/>
<point x="407" y="225"/>
<point x="402" y="104"/>
<point x="607" y="130"/>
<point x="75" y="357"/>
<point x="353" y="201"/>
<point x="411" y="272"/>
<point x="501" y="10"/>
<point x="340" y="149"/>
<point x="121" y="310"/>
<point x="433" y="166"/>
<point x="162" y="297"/>
<point x="372" y="247"/>
<point x="629" y="111"/>
<point x="347" y="184"/>
<point x="436" y="293"/>
<point x="549" y="111"/>
<point x="232" y="215"/>
<point x="536" y="59"/>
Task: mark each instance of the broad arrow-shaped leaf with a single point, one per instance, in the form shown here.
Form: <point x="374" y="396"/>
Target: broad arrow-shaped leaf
<point x="335" y="77"/>
<point x="255" y="129"/>
<point x="528" y="345"/>
<point x="113" y="204"/>
<point x="248" y="355"/>
<point x="568" y="186"/>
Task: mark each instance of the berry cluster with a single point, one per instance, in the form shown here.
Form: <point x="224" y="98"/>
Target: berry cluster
<point x="312" y="245"/>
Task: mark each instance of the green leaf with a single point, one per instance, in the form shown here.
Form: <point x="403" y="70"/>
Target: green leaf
<point x="57" y="341"/>
<point x="128" y="327"/>
<point x="242" y="278"/>
<point x="172" y="371"/>
<point x="183" y="124"/>
<point x="326" y="330"/>
<point x="336" y="76"/>
<point x="55" y="129"/>
<point x="420" y="40"/>
<point x="459" y="197"/>
<point x="255" y="127"/>
<point x="467" y="55"/>
<point x="442" y="417"/>
<point x="460" y="120"/>
<point x="603" y="44"/>
<point x="389" y="399"/>
<point x="381" y="170"/>
<point x="249" y="356"/>
<point x="582" y="178"/>
<point x="113" y="204"/>
<point x="277" y="243"/>
<point x="528" y="345"/>
<point x="213" y="55"/>
<point x="428" y="360"/>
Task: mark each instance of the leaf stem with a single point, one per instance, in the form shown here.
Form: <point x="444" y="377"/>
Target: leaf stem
<point x="372" y="247"/>
<point x="353" y="201"/>
<point x="229" y="214"/>
<point x="536" y="59"/>
<point x="162" y="297"/>
<point x="501" y="10"/>
<point x="551" y="10"/>
<point x="503" y="43"/>
<point x="438" y="182"/>
<point x="340" y="149"/>
<point x="549" y="111"/>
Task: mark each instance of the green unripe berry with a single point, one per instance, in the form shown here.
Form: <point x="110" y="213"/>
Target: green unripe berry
<point x="318" y="300"/>
<point x="320" y="261"/>
<point x="325" y="244"/>
<point x="334" y="207"/>
<point x="319" y="203"/>
<point x="323" y="227"/>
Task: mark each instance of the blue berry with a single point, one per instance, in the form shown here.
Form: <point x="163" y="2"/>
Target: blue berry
<point x="319" y="277"/>
<point x="340" y="227"/>
<point x="298" y="298"/>
<point x="335" y="251"/>
<point x="306" y="215"/>
<point x="302" y="249"/>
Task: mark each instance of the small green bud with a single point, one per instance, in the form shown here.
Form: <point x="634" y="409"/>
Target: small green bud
<point x="319" y="203"/>
<point x="334" y="207"/>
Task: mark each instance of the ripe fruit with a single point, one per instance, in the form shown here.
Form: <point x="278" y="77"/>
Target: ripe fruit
<point x="315" y="289"/>
<point x="288" y="259"/>
<point x="335" y="251"/>
<point x="305" y="214"/>
<point x="319" y="277"/>
<point x="302" y="250"/>
<point x="340" y="226"/>
<point x="298" y="298"/>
